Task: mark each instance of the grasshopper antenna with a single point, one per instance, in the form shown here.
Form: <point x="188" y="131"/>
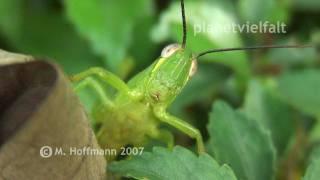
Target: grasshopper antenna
<point x="253" y="48"/>
<point x="184" y="25"/>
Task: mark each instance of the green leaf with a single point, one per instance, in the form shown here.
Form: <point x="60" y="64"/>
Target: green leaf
<point x="315" y="153"/>
<point x="180" y="163"/>
<point x="202" y="16"/>
<point x="41" y="31"/>
<point x="315" y="133"/>
<point x="262" y="105"/>
<point x="313" y="171"/>
<point x="301" y="90"/>
<point x="267" y="10"/>
<point x="108" y="24"/>
<point x="241" y="143"/>
<point x="10" y="20"/>
<point x="143" y="49"/>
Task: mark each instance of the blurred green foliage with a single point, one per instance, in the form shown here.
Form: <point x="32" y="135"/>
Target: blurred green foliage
<point x="277" y="89"/>
<point x="241" y="143"/>
<point x="178" y="163"/>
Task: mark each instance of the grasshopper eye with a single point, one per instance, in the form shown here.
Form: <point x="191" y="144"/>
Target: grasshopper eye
<point x="194" y="68"/>
<point x="169" y="50"/>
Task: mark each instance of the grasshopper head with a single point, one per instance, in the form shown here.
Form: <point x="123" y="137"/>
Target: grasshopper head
<point x="170" y="74"/>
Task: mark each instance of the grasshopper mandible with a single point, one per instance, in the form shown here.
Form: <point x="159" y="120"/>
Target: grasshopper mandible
<point x="139" y="106"/>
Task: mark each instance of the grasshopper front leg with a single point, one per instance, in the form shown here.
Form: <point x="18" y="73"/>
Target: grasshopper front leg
<point x="104" y="75"/>
<point x="181" y="125"/>
<point x="92" y="83"/>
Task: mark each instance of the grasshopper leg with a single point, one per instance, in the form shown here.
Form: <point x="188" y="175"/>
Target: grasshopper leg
<point x="165" y="136"/>
<point x="181" y="125"/>
<point x="90" y="82"/>
<point x="104" y="75"/>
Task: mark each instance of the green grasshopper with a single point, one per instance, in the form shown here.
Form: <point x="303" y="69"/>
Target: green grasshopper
<point x="139" y="107"/>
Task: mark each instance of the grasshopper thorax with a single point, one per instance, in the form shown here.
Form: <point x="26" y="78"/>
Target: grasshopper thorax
<point x="170" y="74"/>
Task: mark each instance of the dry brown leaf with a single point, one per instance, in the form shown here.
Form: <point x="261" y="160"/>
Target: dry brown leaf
<point x="38" y="108"/>
<point x="10" y="58"/>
